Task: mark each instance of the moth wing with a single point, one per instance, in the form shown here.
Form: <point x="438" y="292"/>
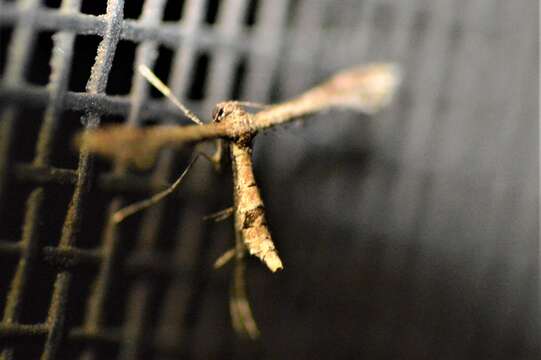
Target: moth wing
<point x="366" y="88"/>
<point x="140" y="146"/>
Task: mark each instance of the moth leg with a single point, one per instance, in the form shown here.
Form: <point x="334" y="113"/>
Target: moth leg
<point x="224" y="258"/>
<point x="239" y="306"/>
<point x="220" y="215"/>
<point x="218" y="155"/>
<point x="129" y="210"/>
<point x="215" y="159"/>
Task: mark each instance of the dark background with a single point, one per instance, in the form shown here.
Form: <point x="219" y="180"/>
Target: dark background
<point x="409" y="235"/>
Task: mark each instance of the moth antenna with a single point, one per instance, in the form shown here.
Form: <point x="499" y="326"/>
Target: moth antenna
<point x="166" y="91"/>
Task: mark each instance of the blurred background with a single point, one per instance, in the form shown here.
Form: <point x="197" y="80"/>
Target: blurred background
<point x="411" y="234"/>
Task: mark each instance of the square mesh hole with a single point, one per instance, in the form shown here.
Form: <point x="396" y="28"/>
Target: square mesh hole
<point x="12" y="221"/>
<point x="64" y="154"/>
<point x="84" y="54"/>
<point x="29" y="348"/>
<point x="213" y="9"/>
<point x="197" y="87"/>
<point x="52" y="3"/>
<point x="39" y="70"/>
<point x="133" y="9"/>
<point x="42" y="277"/>
<point x="5" y="36"/>
<point x="237" y="87"/>
<point x="94" y="7"/>
<point x="250" y="18"/>
<point x="173" y="10"/>
<point x="8" y="265"/>
<point x="121" y="74"/>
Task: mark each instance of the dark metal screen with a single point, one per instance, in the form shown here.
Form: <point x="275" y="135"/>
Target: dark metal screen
<point x="410" y="235"/>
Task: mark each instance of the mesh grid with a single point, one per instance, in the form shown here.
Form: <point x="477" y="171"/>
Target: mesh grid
<point x="98" y="332"/>
<point x="411" y="190"/>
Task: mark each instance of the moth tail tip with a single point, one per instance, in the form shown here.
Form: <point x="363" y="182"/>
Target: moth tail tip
<point x="273" y="262"/>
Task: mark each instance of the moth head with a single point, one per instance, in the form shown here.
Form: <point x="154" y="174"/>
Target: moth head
<point x="223" y="109"/>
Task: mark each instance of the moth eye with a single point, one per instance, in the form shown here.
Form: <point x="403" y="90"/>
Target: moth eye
<point x="218" y="113"/>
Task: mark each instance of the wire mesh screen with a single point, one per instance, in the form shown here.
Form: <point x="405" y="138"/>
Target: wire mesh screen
<point x="412" y="234"/>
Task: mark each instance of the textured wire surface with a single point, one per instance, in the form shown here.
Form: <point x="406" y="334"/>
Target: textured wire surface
<point x="410" y="235"/>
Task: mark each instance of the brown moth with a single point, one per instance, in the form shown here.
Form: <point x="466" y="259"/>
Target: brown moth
<point x="365" y="88"/>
